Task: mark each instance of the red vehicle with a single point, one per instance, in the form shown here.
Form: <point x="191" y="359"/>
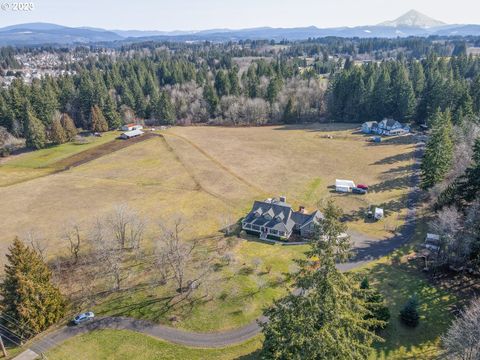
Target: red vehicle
<point x="362" y="186"/>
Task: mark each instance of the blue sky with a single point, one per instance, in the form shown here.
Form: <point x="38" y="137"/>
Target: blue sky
<point x="207" y="14"/>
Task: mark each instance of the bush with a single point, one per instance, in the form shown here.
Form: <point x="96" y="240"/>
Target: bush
<point x="246" y="270"/>
<point x="409" y="314"/>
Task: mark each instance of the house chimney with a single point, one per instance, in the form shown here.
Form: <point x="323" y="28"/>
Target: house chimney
<point x="283" y="199"/>
<point x="301" y="209"/>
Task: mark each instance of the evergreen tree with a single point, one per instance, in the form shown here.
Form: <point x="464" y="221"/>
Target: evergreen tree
<point x="439" y="150"/>
<point x="164" y="111"/>
<point x="326" y="320"/>
<point x="211" y="98"/>
<point x="35" y="132"/>
<point x="289" y="114"/>
<point x="409" y="314"/>
<point x="57" y="132"/>
<point x="273" y="89"/>
<point x="27" y="293"/>
<point x="233" y="80"/>
<point x="382" y="95"/>
<point x="99" y="124"/>
<point x="404" y="95"/>
<point x="111" y="114"/>
<point x="222" y="84"/>
<point x="375" y="304"/>
<point x="68" y="126"/>
<point x="418" y="78"/>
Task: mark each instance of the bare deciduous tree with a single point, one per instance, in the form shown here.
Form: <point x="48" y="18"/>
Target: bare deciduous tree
<point x="462" y="340"/>
<point x="178" y="253"/>
<point x="37" y="242"/>
<point x="72" y="234"/>
<point x="127" y="227"/>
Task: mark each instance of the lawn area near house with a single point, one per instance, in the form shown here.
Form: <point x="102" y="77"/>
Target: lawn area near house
<point x="237" y="292"/>
<point x="128" y="345"/>
<point x="397" y="282"/>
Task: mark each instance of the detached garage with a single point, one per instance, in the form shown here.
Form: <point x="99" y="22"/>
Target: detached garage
<point x="131" y="134"/>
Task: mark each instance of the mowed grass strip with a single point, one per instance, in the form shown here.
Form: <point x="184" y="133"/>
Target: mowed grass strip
<point x="129" y="345"/>
<point x="42" y="162"/>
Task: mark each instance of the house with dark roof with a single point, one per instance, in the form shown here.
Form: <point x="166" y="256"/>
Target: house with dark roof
<point x="275" y="219"/>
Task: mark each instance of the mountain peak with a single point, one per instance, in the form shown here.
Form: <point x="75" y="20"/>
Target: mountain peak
<point x="413" y="18"/>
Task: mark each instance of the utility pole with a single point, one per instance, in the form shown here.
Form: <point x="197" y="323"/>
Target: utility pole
<point x="3" y="347"/>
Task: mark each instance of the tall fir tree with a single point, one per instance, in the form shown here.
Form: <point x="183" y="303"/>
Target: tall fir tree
<point x="325" y="320"/>
<point x="28" y="296"/>
<point x="69" y="126"/>
<point x="211" y="98"/>
<point x="111" y="114"/>
<point x="438" y="155"/>
<point x="57" y="133"/>
<point x="35" y="132"/>
<point x="98" y="122"/>
<point x="164" y="110"/>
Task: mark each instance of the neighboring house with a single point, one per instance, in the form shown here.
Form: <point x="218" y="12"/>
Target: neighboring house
<point x="130" y="127"/>
<point x="131" y="134"/>
<point x="274" y="219"/>
<point x="369" y="127"/>
<point x="387" y="127"/>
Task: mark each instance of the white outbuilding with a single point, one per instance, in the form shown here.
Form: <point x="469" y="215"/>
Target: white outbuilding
<point x="344" y="185"/>
<point x="131" y="134"/>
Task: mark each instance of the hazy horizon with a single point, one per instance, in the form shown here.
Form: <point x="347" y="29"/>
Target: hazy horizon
<point x="191" y="15"/>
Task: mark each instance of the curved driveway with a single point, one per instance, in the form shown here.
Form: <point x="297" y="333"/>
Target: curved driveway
<point x="366" y="250"/>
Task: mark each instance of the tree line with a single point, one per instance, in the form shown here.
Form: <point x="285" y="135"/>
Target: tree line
<point x="406" y="89"/>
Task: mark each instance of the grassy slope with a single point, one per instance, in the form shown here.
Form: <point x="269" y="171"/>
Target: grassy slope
<point x="42" y="162"/>
<point x="111" y="344"/>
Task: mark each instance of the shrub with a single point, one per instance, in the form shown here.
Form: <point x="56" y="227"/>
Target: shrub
<point x="409" y="314"/>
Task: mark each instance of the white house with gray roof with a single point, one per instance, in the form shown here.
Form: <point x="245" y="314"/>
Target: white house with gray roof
<point x="275" y="219"/>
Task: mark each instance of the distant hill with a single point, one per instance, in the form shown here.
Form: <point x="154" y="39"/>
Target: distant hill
<point x="412" y="23"/>
<point x="43" y="33"/>
<point x="414" y="18"/>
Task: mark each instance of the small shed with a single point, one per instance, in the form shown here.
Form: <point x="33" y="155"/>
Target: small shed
<point x="131" y="134"/>
<point x="378" y="213"/>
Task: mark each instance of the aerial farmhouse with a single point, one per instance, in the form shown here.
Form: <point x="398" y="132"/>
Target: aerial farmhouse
<point x="275" y="219"/>
<point x="388" y="127"/>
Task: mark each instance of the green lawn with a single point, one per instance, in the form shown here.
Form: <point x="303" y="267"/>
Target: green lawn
<point x="234" y="296"/>
<point x="397" y="282"/>
<point x="129" y="345"/>
<point x="42" y="162"/>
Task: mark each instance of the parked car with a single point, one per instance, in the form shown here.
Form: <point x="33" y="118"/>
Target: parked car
<point x="80" y="318"/>
<point x="363" y="186"/>
<point x="357" y="190"/>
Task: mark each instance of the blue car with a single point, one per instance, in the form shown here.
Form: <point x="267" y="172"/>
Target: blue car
<point x="359" y="191"/>
<point x="83" y="317"/>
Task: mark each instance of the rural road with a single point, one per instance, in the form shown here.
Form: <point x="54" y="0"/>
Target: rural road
<point x="366" y="250"/>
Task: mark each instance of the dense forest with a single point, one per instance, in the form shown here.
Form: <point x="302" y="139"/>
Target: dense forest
<point x="246" y="83"/>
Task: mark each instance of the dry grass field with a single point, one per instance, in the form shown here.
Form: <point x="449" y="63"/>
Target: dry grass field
<point x="208" y="174"/>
